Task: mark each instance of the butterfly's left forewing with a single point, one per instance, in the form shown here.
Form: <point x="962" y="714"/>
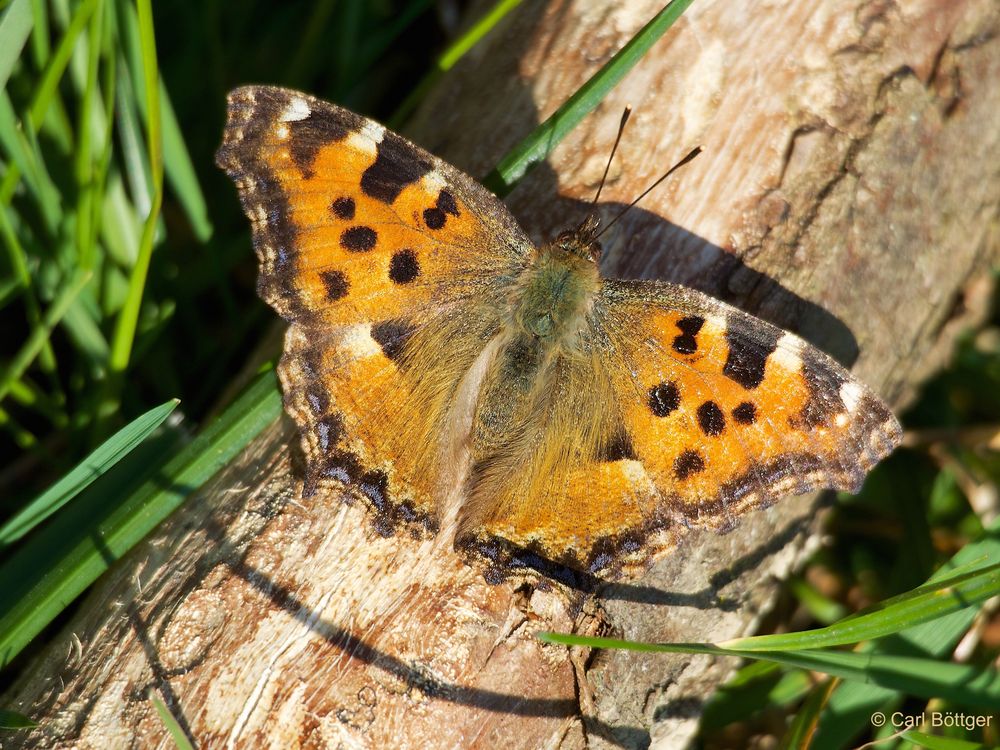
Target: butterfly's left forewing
<point x="390" y="266"/>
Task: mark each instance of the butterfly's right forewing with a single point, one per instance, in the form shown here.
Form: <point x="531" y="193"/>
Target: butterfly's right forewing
<point x="726" y="412"/>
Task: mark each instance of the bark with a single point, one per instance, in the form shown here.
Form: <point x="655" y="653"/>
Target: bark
<point x="848" y="191"/>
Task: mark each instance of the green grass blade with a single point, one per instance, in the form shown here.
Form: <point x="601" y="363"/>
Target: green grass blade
<point x="181" y="741"/>
<point x="27" y="353"/>
<point x="125" y="326"/>
<point x="537" y="146"/>
<point x="25" y="156"/>
<point x="803" y="725"/>
<point x="450" y="56"/>
<point x="964" y="684"/>
<point x="935" y="742"/>
<point x="180" y="171"/>
<point x="46" y="89"/>
<point x="53" y="566"/>
<point x="15" y="27"/>
<point x="14" y="720"/>
<point x="96" y="464"/>
<point x="920" y="605"/>
<point x="851" y="705"/>
<point x="85" y="167"/>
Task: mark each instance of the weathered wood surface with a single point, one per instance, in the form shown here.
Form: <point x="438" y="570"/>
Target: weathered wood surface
<point x="848" y="191"/>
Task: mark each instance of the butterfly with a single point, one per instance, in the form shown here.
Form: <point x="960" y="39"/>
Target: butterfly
<point x="463" y="380"/>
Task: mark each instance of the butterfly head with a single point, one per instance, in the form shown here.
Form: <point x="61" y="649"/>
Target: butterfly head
<point x="582" y="241"/>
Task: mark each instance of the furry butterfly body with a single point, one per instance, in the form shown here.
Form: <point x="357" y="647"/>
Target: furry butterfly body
<point x="463" y="380"/>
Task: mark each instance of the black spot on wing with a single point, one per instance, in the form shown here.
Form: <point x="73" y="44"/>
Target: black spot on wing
<point x="358" y="239"/>
<point x="711" y="419"/>
<point x="664" y="398"/>
<point x="688" y="463"/>
<point x="404" y="267"/>
<point x="336" y="284"/>
<point x="745" y="413"/>
<point x="343" y="208"/>
<point x="397" y="165"/>
<point x="749" y="348"/>
<point x="437" y="217"/>
<point x="687" y="341"/>
<point x="446" y="202"/>
<point x="434" y="218"/>
<point x="391" y="336"/>
<point x="617" y="447"/>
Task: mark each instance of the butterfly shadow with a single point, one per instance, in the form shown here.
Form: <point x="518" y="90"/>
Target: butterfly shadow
<point x="644" y="245"/>
<point x="411" y="674"/>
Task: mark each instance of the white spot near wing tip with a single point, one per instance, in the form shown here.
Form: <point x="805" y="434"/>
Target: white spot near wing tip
<point x="434" y="181"/>
<point x="373" y="130"/>
<point x="787" y="352"/>
<point x="367" y="139"/>
<point x="297" y="109"/>
<point x="850" y="394"/>
<point x="716" y="321"/>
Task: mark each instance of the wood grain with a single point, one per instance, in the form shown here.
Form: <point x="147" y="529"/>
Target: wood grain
<point x="848" y="191"/>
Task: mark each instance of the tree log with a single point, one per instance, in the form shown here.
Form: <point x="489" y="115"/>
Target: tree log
<point x="848" y="191"/>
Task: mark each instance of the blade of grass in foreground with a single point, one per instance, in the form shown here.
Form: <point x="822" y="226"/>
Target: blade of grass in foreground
<point x="923" y="604"/>
<point x="55" y="565"/>
<point x="181" y="741"/>
<point x="15" y="26"/>
<point x="547" y="136"/>
<point x="97" y="463"/>
<point x="935" y="742"/>
<point x="14" y="720"/>
<point x="128" y="318"/>
<point x="965" y="684"/>
<point x="850" y="707"/>
<point x="38" y="338"/>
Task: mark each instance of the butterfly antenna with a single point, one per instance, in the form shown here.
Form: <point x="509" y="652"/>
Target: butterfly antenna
<point x="621" y="128"/>
<point x="693" y="153"/>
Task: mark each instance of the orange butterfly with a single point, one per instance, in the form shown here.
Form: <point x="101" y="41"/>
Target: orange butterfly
<point x="460" y="378"/>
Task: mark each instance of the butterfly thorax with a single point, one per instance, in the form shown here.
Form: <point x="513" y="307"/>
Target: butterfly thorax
<point x="556" y="291"/>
